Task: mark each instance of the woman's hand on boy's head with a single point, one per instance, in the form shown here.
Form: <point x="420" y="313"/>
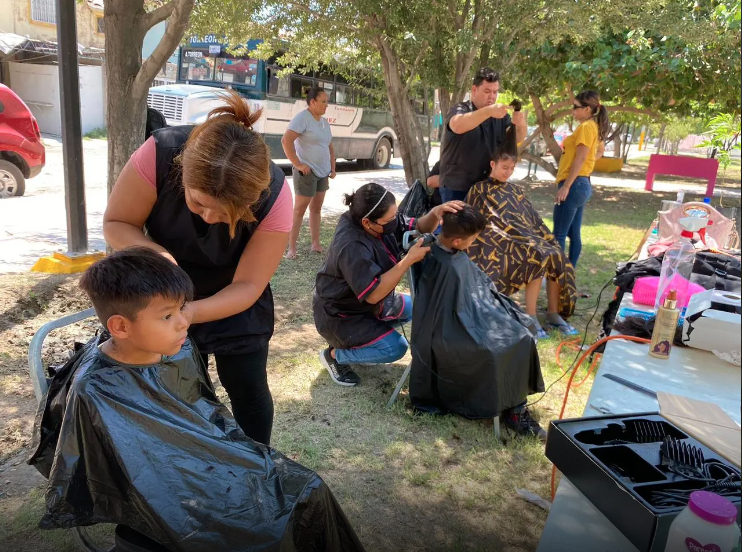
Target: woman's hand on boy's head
<point x="449" y="207"/>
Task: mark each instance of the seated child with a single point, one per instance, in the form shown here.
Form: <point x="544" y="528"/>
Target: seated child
<point x="472" y="352"/>
<point x="132" y="433"/>
<point x="516" y="249"/>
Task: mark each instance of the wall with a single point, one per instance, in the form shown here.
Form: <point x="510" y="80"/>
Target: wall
<point x="92" y="113"/>
<point x="38" y="86"/>
<point x="15" y="17"/>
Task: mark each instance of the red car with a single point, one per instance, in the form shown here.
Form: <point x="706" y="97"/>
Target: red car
<point x="22" y="155"/>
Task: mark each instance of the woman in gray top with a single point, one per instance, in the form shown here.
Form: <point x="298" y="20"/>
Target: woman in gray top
<point x="308" y="145"/>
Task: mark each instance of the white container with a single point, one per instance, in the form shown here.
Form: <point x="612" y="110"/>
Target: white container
<point x="707" y="524"/>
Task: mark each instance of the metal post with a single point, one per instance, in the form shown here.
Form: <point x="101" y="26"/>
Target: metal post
<point x="69" y="88"/>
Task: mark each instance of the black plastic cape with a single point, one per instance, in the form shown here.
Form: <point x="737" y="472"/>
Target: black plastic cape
<point x="151" y="447"/>
<point x="472" y="353"/>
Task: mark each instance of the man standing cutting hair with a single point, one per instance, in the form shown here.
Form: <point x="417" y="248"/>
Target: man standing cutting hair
<point x="474" y="129"/>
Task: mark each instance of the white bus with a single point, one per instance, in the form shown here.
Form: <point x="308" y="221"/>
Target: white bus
<point x="362" y="125"/>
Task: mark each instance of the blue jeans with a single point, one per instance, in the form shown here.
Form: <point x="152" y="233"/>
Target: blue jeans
<point x="388" y="348"/>
<point x="452" y="195"/>
<point x="568" y="217"/>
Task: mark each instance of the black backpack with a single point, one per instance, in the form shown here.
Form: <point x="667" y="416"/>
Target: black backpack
<point x="155" y="121"/>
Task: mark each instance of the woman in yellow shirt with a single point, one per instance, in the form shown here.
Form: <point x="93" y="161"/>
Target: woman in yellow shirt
<point x="581" y="149"/>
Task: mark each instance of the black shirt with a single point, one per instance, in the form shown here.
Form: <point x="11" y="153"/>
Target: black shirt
<point x="206" y="251"/>
<point x="465" y="158"/>
<point x="355" y="263"/>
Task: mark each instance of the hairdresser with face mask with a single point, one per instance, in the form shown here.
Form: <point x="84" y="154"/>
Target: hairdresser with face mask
<point x="356" y="307"/>
<point x="209" y="199"/>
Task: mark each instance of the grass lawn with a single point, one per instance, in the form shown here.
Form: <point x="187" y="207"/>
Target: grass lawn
<point x="406" y="482"/>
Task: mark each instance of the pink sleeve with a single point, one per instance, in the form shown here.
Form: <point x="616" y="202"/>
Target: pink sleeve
<point x="144" y="162"/>
<point x="280" y="217"/>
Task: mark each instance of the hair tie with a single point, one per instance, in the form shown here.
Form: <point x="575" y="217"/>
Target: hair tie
<point x="377" y="203"/>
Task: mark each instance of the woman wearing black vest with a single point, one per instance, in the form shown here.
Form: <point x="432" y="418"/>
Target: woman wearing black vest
<point x="209" y="198"/>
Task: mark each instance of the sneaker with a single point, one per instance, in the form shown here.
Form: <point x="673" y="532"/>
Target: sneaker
<point x="342" y="375"/>
<point x="519" y="421"/>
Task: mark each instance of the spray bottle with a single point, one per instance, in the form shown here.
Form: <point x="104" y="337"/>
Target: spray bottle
<point x="677" y="265"/>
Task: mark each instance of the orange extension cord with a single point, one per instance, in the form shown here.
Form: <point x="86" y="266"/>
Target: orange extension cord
<point x="574" y="344"/>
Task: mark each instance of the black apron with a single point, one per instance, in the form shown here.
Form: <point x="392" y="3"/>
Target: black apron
<point x="206" y="252"/>
<point x="355" y="262"/>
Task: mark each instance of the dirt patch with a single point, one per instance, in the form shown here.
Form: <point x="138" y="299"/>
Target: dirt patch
<point x="28" y="301"/>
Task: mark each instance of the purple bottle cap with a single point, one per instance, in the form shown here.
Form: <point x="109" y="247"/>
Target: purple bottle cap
<point x="712" y="508"/>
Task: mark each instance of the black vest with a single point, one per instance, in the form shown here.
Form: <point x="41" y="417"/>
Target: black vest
<point x="206" y="252"/>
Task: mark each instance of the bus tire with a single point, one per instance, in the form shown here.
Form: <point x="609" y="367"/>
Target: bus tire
<point x="382" y="156"/>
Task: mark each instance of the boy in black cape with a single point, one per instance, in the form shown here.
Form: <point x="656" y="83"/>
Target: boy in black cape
<point x="132" y="433"/>
<point x="472" y="351"/>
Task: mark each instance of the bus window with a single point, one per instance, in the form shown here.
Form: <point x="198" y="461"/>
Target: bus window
<point x="237" y="70"/>
<point x="342" y="95"/>
<point x="329" y="88"/>
<point x="278" y="86"/>
<point x="300" y="86"/>
<point x="197" y="65"/>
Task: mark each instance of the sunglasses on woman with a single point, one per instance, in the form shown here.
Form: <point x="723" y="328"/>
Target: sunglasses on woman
<point x="580" y="106"/>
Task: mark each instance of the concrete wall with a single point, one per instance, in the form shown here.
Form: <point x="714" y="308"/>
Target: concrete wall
<point x="15" y="17"/>
<point x="38" y="86"/>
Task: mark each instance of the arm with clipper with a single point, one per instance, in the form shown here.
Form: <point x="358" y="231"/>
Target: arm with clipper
<point x="389" y="280"/>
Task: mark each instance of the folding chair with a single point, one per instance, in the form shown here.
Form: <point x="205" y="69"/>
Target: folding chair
<point x="408" y="237"/>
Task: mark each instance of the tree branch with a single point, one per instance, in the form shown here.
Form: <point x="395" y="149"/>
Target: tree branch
<point x="177" y="22"/>
<point x="613" y="109"/>
<point x="158" y="15"/>
<point x="528" y="141"/>
<point x="415" y="65"/>
<point x="540" y="161"/>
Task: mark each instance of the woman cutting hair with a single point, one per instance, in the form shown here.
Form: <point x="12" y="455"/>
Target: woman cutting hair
<point x="581" y="149"/>
<point x="356" y="307"/>
<point x="210" y="199"/>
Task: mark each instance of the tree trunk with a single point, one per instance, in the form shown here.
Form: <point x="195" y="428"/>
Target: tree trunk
<point x="661" y="138"/>
<point x="126" y="113"/>
<point x="617" y="145"/>
<point x="405" y="122"/>
<point x="444" y="99"/>
<point x="484" y="54"/>
<point x="127" y="78"/>
<point x="544" y="124"/>
<point x="630" y="129"/>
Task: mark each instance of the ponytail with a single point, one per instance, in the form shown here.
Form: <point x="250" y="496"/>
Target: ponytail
<point x="604" y="123"/>
<point x="591" y="99"/>
<point x="508" y="148"/>
<point x="227" y="160"/>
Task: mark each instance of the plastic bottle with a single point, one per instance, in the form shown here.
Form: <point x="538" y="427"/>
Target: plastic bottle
<point x="677" y="264"/>
<point x="665" y="326"/>
<point x="706" y="524"/>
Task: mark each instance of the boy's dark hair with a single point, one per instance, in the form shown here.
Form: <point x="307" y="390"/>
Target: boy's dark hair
<point x="486" y="74"/>
<point x="464" y="223"/>
<point x="126" y="281"/>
